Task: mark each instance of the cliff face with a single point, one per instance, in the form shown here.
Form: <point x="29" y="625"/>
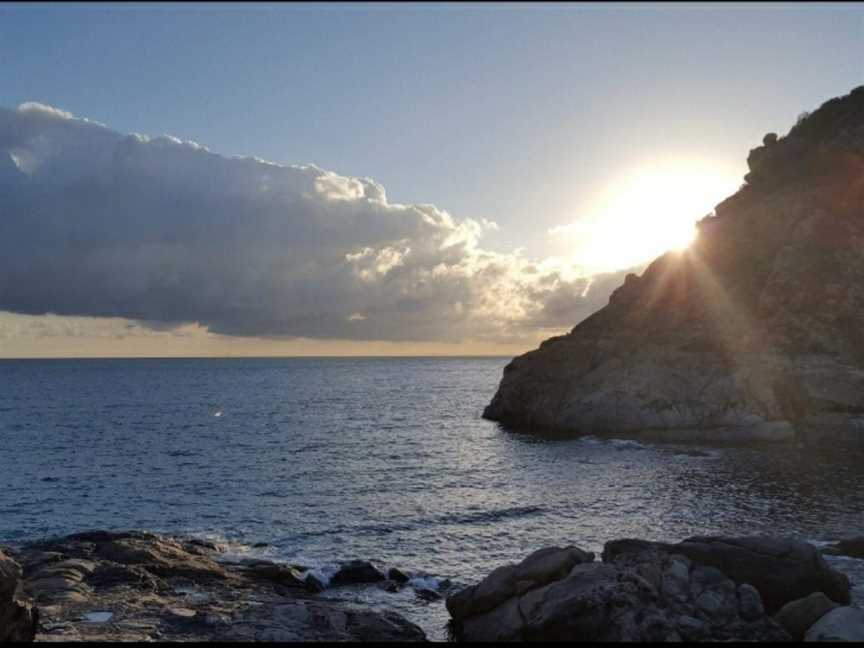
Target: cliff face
<point x="755" y="331"/>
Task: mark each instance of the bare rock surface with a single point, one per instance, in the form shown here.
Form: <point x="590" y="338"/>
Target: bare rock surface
<point x="781" y="569"/>
<point x="647" y="595"/>
<point x="18" y="618"/>
<point x="756" y="332"/>
<point x="137" y="586"/>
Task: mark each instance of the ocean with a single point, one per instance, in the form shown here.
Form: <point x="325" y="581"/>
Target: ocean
<point x="385" y="459"/>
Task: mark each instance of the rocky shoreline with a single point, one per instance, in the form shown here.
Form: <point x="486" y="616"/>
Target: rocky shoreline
<point x="140" y="586"/>
<point x="701" y="589"/>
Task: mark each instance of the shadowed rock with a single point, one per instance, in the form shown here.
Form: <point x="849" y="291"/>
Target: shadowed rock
<point x="797" y="616"/>
<point x="357" y="571"/>
<point x="756" y="332"/>
<point x="781" y="569"/>
<point x="648" y="595"/>
<point x="18" y="618"/>
<point x="852" y="547"/>
<point x="137" y="586"/>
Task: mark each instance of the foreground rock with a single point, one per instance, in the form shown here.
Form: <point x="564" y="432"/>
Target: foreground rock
<point x="782" y="569"/>
<point x="18" y="619"/>
<point x="135" y="586"/>
<point x="840" y="624"/>
<point x="755" y="332"/>
<point x="798" y="616"/>
<point x="644" y="591"/>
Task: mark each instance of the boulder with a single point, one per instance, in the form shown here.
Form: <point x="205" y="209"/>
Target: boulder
<point x="356" y="572"/>
<point x="397" y="575"/>
<point x="540" y="568"/>
<point x="797" y="616"/>
<point x="280" y="574"/>
<point x="18" y="618"/>
<point x="840" y="624"/>
<point x="637" y="596"/>
<point x="782" y="569"/>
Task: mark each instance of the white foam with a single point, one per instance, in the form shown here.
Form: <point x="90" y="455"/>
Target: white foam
<point x="324" y="573"/>
<point x="623" y="444"/>
<point x="425" y="582"/>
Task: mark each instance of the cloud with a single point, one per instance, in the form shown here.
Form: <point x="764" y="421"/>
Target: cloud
<point x="164" y="232"/>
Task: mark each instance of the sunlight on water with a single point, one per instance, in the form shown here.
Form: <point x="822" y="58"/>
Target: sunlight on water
<point x="381" y="459"/>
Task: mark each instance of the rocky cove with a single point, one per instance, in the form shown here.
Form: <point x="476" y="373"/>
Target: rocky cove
<point x="139" y="586"/>
<point x="751" y="335"/>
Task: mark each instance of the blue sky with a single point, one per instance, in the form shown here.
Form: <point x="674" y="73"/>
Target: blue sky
<point x="521" y="115"/>
<point x="499" y="111"/>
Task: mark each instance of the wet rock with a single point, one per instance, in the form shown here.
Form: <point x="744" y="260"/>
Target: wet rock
<point x="427" y="594"/>
<point x="840" y="624"/>
<point x="203" y="547"/>
<point x="389" y="586"/>
<point x="313" y="584"/>
<point x="18" y="617"/>
<point x="281" y="574"/>
<point x="852" y="547"/>
<point x="781" y="569"/>
<point x="397" y="575"/>
<point x="797" y="616"/>
<point x="357" y="571"/>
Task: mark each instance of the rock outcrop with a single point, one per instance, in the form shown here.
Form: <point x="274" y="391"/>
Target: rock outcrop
<point x="18" y="618"/>
<point x="646" y="595"/>
<point x="754" y="332"/>
<point x="781" y="569"/>
<point x="137" y="586"/>
<point x="702" y="589"/>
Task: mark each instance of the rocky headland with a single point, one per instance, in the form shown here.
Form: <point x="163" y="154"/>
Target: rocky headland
<point x="755" y="332"/>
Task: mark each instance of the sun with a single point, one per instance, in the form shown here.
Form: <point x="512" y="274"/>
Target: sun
<point x="649" y="211"/>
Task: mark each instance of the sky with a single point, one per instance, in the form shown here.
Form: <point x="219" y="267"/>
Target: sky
<point x="348" y="178"/>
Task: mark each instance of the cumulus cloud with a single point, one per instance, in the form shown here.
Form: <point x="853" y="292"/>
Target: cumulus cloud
<point x="165" y="232"/>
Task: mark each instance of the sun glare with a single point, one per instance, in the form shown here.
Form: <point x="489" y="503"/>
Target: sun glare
<point x="646" y="213"/>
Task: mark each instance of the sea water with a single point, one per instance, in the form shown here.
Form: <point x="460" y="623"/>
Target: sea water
<point x="384" y="459"/>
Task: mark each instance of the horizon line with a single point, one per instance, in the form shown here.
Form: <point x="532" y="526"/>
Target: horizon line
<point x="256" y="357"/>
